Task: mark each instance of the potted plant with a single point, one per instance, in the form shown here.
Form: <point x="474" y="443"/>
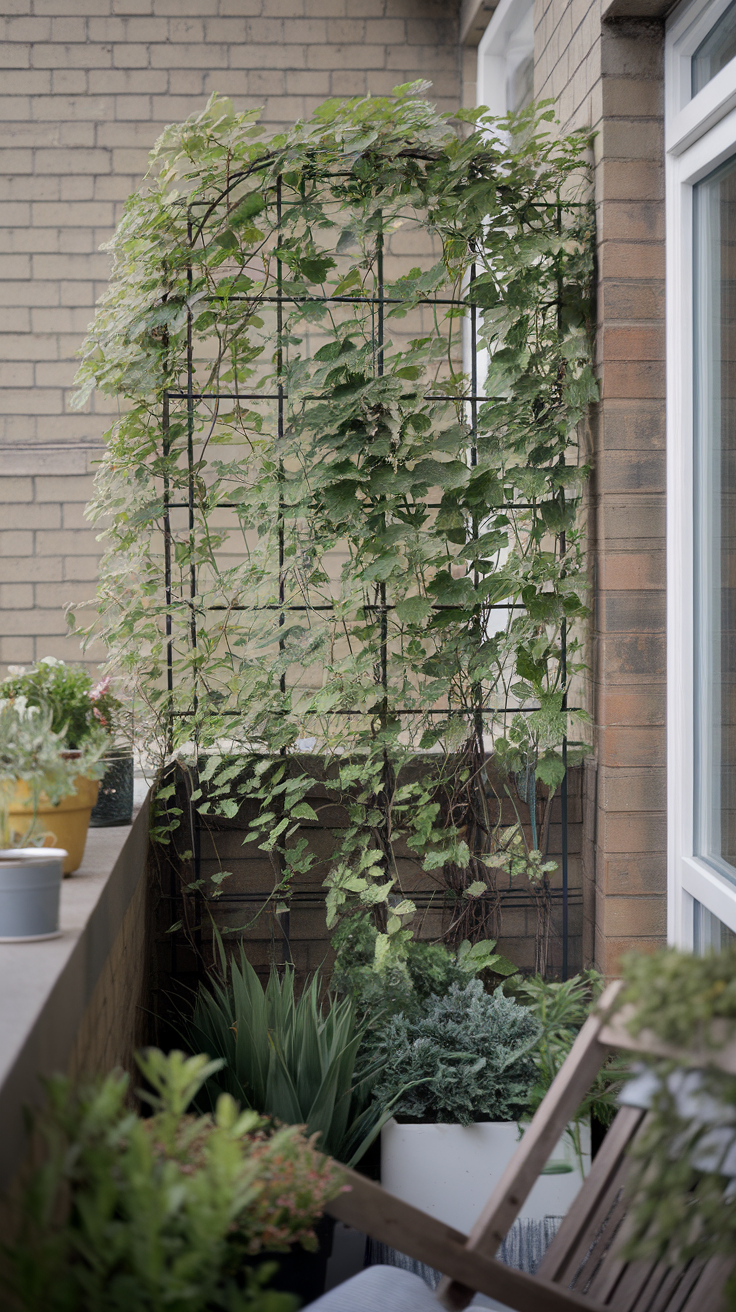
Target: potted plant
<point x="86" y="714"/>
<point x="466" y="1063"/>
<point x="38" y="786"/>
<point x="288" y="1057"/>
<point x="47" y="791"/>
<point x="169" y="1210"/>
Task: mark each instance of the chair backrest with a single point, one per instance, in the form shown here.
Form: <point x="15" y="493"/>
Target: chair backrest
<point x="582" y="1268"/>
<point x="585" y="1256"/>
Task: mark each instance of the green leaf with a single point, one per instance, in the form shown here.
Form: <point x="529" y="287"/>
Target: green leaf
<point x="253" y="204"/>
<point x="476" y="889"/>
<point x="413" y="610"/>
<point x="303" y="811"/>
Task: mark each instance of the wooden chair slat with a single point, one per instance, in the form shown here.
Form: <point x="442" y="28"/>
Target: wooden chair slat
<point x="389" y="1219"/>
<point x="601" y="1274"/>
<point x="594" y="1200"/>
<point x="723" y="1054"/>
<point x="663" y="1283"/>
<point x="708" y="1293"/>
<point x="676" y="1288"/>
<point x="634" y="1279"/>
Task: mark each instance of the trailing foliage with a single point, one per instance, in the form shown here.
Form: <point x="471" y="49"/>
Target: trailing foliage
<point x="683" y="1200"/>
<point x="464" y="1057"/>
<point x="132" y="1213"/>
<point x="364" y="564"/>
<point x="293" y="1060"/>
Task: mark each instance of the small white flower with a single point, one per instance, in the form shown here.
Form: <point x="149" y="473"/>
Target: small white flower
<point x="16" y="670"/>
<point x="50" y="660"/>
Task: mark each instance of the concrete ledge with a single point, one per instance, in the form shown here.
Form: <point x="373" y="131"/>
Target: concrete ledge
<point x="475" y="15"/>
<point x="45" y="987"/>
<point x="636" y="9"/>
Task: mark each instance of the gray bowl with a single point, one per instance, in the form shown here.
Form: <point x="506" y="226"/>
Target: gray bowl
<point x="30" y="887"/>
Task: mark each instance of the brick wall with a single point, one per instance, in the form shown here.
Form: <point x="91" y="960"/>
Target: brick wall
<point x="115" y="1022"/>
<point x="609" y="76"/>
<point x="87" y="86"/>
<point x="49" y="553"/>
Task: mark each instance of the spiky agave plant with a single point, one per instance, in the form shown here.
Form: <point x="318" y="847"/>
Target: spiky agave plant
<point x="290" y="1058"/>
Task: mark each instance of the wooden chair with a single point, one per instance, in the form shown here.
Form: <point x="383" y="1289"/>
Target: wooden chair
<point x="582" y="1268"/>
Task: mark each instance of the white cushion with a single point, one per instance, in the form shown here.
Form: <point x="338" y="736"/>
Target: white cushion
<point x="378" y="1289"/>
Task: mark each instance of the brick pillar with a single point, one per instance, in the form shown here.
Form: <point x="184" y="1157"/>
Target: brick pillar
<point x="608" y="75"/>
<point x="629" y="498"/>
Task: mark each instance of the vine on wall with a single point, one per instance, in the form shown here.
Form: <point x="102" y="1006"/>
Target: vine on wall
<point x="366" y="566"/>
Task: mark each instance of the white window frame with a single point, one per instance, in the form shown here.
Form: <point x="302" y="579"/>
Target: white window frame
<point x="498" y="54"/>
<point x="700" y="135"/>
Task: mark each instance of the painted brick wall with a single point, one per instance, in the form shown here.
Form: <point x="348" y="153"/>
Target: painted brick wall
<point x="609" y="76"/>
<point x="86" y="86"/>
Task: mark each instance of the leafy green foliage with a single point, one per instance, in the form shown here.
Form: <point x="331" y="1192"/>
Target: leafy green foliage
<point x="683" y="1202"/>
<point x="562" y="1009"/>
<point x="467" y="1056"/>
<point x="676" y="994"/>
<point x="79" y="710"/>
<point x="401" y="978"/>
<point x="159" y="1213"/>
<point x="400" y="648"/>
<point x="291" y="1059"/>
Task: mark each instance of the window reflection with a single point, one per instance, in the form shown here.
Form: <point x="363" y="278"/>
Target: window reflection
<point x="718" y="48"/>
<point x="715" y="517"/>
<point x="709" y="933"/>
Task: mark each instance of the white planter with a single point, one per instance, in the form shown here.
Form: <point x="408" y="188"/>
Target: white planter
<point x="450" y="1170"/>
<point x="30" y="886"/>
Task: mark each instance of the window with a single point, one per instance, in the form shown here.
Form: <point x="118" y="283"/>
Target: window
<point x="701" y="487"/>
<point x="506" y="58"/>
<point x="714" y="455"/>
<point x="709" y="933"/>
<point x="713" y="53"/>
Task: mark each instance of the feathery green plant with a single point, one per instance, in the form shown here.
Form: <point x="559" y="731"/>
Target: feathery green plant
<point x="465" y="1057"/>
<point x="287" y="1058"/>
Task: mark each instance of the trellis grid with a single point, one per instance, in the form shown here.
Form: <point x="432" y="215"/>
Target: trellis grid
<point x="377" y="303"/>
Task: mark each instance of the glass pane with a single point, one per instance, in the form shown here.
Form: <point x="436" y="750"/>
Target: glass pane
<point x="520" y="85"/>
<point x="715" y="517"/>
<point x="716" y="50"/>
<point x="709" y="933"/>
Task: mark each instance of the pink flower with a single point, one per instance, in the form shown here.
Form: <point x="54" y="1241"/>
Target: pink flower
<point x="99" y="689"/>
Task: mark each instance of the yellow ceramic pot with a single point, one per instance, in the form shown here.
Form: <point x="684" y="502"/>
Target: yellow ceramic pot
<point x="66" y="823"/>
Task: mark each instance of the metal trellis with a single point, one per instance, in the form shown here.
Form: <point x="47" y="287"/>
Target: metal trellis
<point x="377" y="304"/>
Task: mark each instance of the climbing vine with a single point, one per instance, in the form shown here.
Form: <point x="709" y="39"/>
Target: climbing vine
<point x="336" y="548"/>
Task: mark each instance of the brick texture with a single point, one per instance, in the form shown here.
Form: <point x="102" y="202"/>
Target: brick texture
<point x="87" y="87"/>
<point x="115" y="1022"/>
<point x="609" y="76"/>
